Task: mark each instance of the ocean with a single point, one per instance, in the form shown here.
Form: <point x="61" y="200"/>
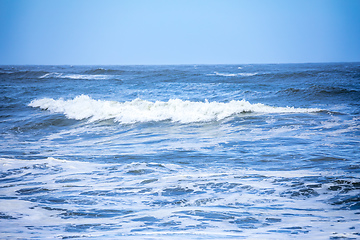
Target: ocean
<point x="247" y="151"/>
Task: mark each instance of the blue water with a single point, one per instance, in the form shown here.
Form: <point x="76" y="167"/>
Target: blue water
<point x="174" y="152"/>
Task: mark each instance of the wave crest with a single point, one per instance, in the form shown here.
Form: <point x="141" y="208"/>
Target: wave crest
<point x="75" y="76"/>
<point x="233" y="74"/>
<point x="84" y="107"/>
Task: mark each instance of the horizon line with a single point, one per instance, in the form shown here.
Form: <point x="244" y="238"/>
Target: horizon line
<point x="181" y="64"/>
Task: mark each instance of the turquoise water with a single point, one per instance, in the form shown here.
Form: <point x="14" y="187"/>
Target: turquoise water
<point x="173" y="152"/>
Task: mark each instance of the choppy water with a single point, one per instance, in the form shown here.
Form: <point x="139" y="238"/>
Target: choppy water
<point x="174" y="152"/>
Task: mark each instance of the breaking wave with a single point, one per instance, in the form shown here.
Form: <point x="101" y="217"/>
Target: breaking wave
<point x="138" y="110"/>
<point x="233" y="74"/>
<point x="26" y="74"/>
<point x="74" y="76"/>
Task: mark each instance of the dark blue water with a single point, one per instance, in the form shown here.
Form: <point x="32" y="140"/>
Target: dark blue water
<point x="174" y="152"/>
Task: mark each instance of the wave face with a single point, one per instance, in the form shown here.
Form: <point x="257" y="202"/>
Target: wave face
<point x="83" y="107"/>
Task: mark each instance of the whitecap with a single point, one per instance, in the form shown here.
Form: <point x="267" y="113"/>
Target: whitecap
<point x="138" y="110"/>
<point x="75" y="76"/>
<point x="234" y="74"/>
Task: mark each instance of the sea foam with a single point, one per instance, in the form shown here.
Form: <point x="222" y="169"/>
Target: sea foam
<point x="233" y="74"/>
<point x="75" y="76"/>
<point x="138" y="110"/>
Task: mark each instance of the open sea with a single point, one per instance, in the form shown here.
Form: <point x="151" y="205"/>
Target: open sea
<point x="180" y="152"/>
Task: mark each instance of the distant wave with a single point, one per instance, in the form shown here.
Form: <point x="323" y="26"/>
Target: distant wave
<point x="105" y="71"/>
<point x="84" y="107"/>
<point x="299" y="74"/>
<point x="233" y="74"/>
<point x="320" y="90"/>
<point x="316" y="73"/>
<point x="332" y="90"/>
<point x="74" y="76"/>
<point x="23" y="74"/>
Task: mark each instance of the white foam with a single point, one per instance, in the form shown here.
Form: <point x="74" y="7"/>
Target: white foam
<point x="234" y="74"/>
<point x="225" y="195"/>
<point x="84" y="107"/>
<point x="75" y="76"/>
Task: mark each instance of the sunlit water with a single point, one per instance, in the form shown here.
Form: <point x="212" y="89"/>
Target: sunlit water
<point x="180" y="152"/>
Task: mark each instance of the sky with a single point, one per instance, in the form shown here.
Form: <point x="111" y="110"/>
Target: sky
<point x="128" y="32"/>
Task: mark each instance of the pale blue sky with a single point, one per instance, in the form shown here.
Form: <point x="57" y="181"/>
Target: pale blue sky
<point x="178" y="31"/>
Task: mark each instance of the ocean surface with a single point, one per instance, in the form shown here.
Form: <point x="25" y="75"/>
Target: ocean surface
<point x="180" y="152"/>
